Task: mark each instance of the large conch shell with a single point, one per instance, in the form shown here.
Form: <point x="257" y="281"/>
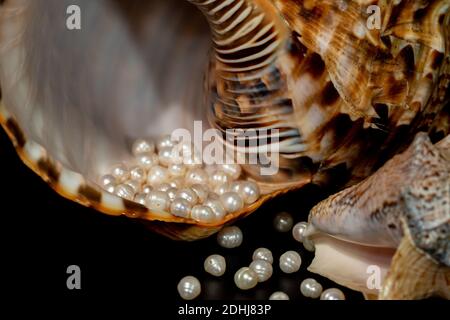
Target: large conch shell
<point x="343" y="98"/>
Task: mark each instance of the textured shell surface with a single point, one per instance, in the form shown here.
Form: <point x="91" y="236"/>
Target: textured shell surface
<point x="343" y="97"/>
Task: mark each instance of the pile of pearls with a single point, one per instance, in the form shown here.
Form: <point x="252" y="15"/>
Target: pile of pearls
<point x="167" y="176"/>
<point x="259" y="270"/>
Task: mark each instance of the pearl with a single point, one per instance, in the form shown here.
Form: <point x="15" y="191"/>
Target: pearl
<point x="309" y="244"/>
<point x="279" y="295"/>
<point x="147" y="160"/>
<point x="249" y="192"/>
<point x="230" y="237"/>
<point x="107" y="179"/>
<point x="176" y="170"/>
<point x="137" y="173"/>
<point x="120" y="172"/>
<point x="232" y="202"/>
<point x="232" y="170"/>
<point x="163" y="187"/>
<point x="203" y="214"/>
<point x="177" y="183"/>
<point x="135" y="185"/>
<point x="201" y="191"/>
<point x="193" y="161"/>
<point x="110" y="187"/>
<point x="140" y="198"/>
<point x="216" y="206"/>
<point x="172" y="193"/>
<point x="221" y="189"/>
<point x="290" y="262"/>
<point x="263" y="254"/>
<point x="158" y="201"/>
<point x="189" y="195"/>
<point x="165" y="142"/>
<point x="262" y="268"/>
<point x="165" y="156"/>
<point x="310" y="288"/>
<point x="236" y="186"/>
<point x="283" y="222"/>
<point x="124" y="191"/>
<point x="147" y="189"/>
<point x="298" y="230"/>
<point x="189" y="288"/>
<point x="141" y="146"/>
<point x="218" y="178"/>
<point x="181" y="208"/>
<point x="196" y="176"/>
<point x="157" y="175"/>
<point x="245" y="278"/>
<point x="332" y="294"/>
<point x="215" y="265"/>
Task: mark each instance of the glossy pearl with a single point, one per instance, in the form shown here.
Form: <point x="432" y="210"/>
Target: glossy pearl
<point x="245" y="278"/>
<point x="147" y="189"/>
<point x="263" y="254"/>
<point x="172" y="193"/>
<point x="201" y="191"/>
<point x="232" y="170"/>
<point x="165" y="156"/>
<point x="279" y="295"/>
<point x="110" y="187"/>
<point x="177" y="170"/>
<point x="309" y="244"/>
<point x="120" y="172"/>
<point x="290" y="262"/>
<point x="236" y="186"/>
<point x="177" y="183"/>
<point x="215" y="265"/>
<point x="189" y="288"/>
<point x="189" y="195"/>
<point x="203" y="214"/>
<point x="158" y="201"/>
<point x="310" y="288"/>
<point x="193" y="161"/>
<point x="165" y="142"/>
<point x="147" y="160"/>
<point x="107" y="179"/>
<point x="232" y="202"/>
<point x="230" y="237"/>
<point x="137" y="173"/>
<point x="263" y="269"/>
<point x="217" y="207"/>
<point x="221" y="189"/>
<point x="249" y="192"/>
<point x="157" y="175"/>
<point x="218" y="178"/>
<point x="135" y="185"/>
<point x="140" y="198"/>
<point x="141" y="146"/>
<point x="283" y="222"/>
<point x="181" y="208"/>
<point x="298" y="230"/>
<point x="124" y="191"/>
<point x="196" y="176"/>
<point x="332" y="294"/>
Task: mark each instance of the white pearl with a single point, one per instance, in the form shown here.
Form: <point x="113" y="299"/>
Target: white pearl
<point x="298" y="230"/>
<point x="110" y="187"/>
<point x="147" y="189"/>
<point x="124" y="191"/>
<point x="279" y="295"/>
<point x="140" y="198"/>
<point x="263" y="269"/>
<point x="177" y="183"/>
<point x="196" y="176"/>
<point x="135" y="185"/>
<point x="203" y="214"/>
<point x="230" y="237"/>
<point x="290" y="262"/>
<point x="332" y="294"/>
<point x="165" y="156"/>
<point x="217" y="207"/>
<point x="218" y="178"/>
<point x="215" y="265"/>
<point x="232" y="202"/>
<point x="249" y="192"/>
<point x="221" y="189"/>
<point x="189" y="195"/>
<point x="177" y="170"/>
<point x="310" y="288"/>
<point x="201" y="191"/>
<point x="189" y="288"/>
<point x="147" y="160"/>
<point x="107" y="179"/>
<point x="157" y="175"/>
<point x="181" y="208"/>
<point x="283" y="222"/>
<point x="263" y="254"/>
<point x="245" y="278"/>
<point x="232" y="170"/>
<point x="165" y="142"/>
<point x="163" y="187"/>
<point x="192" y="162"/>
<point x="236" y="186"/>
<point x="120" y="172"/>
<point x="158" y="201"/>
<point x="308" y="244"/>
<point x="172" y="193"/>
<point x="141" y="146"/>
<point x="137" y="173"/>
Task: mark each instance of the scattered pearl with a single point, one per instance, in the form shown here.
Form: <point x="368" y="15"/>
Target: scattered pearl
<point x="181" y="208"/>
<point x="283" y="222"/>
<point x="310" y="288"/>
<point x="165" y="156"/>
<point x="107" y="179"/>
<point x="201" y="191"/>
<point x="221" y="189"/>
<point x="158" y="201"/>
<point x="165" y="142"/>
<point x="176" y="170"/>
<point x="137" y="173"/>
<point x="232" y="170"/>
<point x="298" y="230"/>
<point x="249" y="192"/>
<point x="110" y="187"/>
<point x="140" y="198"/>
<point x="245" y="278"/>
<point x="290" y="262"/>
<point x="135" y="185"/>
<point x="279" y="295"/>
<point x="189" y="195"/>
<point x="218" y="178"/>
<point x="262" y="268"/>
<point x="196" y="176"/>
<point x="230" y="237"/>
<point x="147" y="189"/>
<point x="309" y="244"/>
<point x="216" y="206"/>
<point x="232" y="202"/>
<point x="124" y="191"/>
<point x="189" y="288"/>
<point x="203" y="214"/>
<point x="147" y="160"/>
<point x="120" y="172"/>
<point x="141" y="146"/>
<point x="263" y="254"/>
<point x="157" y="175"/>
<point x="332" y="294"/>
<point x="215" y="265"/>
<point x="172" y="193"/>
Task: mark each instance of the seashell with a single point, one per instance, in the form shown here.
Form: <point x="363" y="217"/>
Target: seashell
<point x="343" y="99"/>
<point x="397" y="220"/>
